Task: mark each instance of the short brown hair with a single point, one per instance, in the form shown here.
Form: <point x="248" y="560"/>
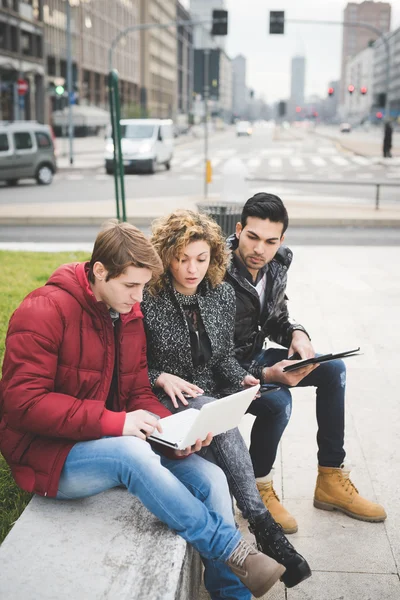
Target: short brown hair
<point x="172" y="233"/>
<point x="121" y="245"/>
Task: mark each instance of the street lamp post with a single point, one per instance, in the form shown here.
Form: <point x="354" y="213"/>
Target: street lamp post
<point x="69" y="84"/>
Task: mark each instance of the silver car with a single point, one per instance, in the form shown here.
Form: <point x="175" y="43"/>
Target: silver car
<point x="26" y="152"/>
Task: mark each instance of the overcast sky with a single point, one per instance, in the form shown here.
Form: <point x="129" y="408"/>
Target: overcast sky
<point x="269" y="56"/>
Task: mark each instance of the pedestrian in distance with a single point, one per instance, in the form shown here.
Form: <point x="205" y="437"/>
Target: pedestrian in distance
<point x="258" y="273"/>
<point x="387" y="140"/>
<point x="189" y="315"/>
<point x="77" y="409"/>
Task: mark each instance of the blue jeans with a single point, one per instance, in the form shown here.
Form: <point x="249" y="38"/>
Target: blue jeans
<point x="191" y="496"/>
<point x="231" y="454"/>
<point x="273" y="410"/>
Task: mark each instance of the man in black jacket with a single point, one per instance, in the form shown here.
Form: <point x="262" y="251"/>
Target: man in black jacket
<point x="258" y="273"/>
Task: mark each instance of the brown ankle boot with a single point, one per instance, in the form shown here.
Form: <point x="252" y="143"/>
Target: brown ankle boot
<point x="255" y="570"/>
<point x="272" y="503"/>
<point x="335" y="491"/>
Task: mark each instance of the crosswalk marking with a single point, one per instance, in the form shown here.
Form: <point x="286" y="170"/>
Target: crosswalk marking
<point x="296" y="162"/>
<point x="361" y="160"/>
<point x="192" y="161"/>
<point x="275" y="163"/>
<point x="253" y="163"/>
<point x="318" y="161"/>
<point x="339" y="160"/>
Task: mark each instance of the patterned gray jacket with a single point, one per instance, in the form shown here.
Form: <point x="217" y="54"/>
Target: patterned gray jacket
<point x="168" y="339"/>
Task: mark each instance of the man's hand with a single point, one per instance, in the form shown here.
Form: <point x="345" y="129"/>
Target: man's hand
<point x="275" y="374"/>
<point x="196" y="447"/>
<point x="301" y="345"/>
<point x="176" y="387"/>
<point x="140" y="424"/>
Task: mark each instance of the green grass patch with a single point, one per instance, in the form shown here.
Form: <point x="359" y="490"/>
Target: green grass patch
<point x="21" y="272"/>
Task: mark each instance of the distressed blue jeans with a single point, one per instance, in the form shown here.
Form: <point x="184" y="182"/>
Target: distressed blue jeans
<point x="190" y="496"/>
<point x="230" y="452"/>
<point x="273" y="410"/>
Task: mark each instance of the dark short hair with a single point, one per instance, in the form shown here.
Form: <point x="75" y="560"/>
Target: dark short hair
<point x="265" y="206"/>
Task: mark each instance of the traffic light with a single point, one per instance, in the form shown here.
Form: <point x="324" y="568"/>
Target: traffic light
<point x="350" y="88"/>
<point x="363" y="90"/>
<point x="220" y="22"/>
<point x="379" y="115"/>
<point x="331" y="91"/>
<point x="59" y="90"/>
<point x="277" y="21"/>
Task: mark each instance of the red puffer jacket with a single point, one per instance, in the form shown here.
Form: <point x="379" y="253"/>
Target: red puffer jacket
<point x="57" y="373"/>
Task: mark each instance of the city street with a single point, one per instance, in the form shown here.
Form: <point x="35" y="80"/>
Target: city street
<point x="270" y="153"/>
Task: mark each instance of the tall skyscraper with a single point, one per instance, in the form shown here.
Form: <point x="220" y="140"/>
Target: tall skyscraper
<point x="355" y="38"/>
<point x="297" y="84"/>
<point x="239" y="90"/>
<point x="202" y="9"/>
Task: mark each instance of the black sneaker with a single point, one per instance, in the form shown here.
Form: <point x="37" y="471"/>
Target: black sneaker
<point x="272" y="541"/>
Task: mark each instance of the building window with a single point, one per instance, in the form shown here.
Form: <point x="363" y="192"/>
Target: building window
<point x="3" y="35"/>
<point x="26" y="43"/>
<point x="14" y="39"/>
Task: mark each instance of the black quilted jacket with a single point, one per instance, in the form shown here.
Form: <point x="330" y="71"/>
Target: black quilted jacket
<point x="168" y="339"/>
<point x="251" y="327"/>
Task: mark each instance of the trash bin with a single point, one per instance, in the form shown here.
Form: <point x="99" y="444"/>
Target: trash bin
<point x="226" y="214"/>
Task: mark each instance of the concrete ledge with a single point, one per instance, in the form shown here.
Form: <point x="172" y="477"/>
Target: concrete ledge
<point x="105" y="547"/>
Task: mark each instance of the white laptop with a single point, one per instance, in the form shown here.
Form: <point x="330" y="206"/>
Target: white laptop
<point x="182" y="429"/>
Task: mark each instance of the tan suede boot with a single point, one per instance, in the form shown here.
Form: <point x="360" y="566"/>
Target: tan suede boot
<point x="335" y="491"/>
<point x="272" y="503"/>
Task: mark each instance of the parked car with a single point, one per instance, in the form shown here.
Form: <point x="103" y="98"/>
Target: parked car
<point x="26" y="152"/>
<point x="145" y="143"/>
<point x="243" y="128"/>
<point x="345" y="127"/>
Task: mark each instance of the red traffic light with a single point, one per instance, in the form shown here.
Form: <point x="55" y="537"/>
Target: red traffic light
<point x="363" y="90"/>
<point x="379" y="115"/>
<point x="331" y="91"/>
<point x="350" y="88"/>
<point x="298" y="109"/>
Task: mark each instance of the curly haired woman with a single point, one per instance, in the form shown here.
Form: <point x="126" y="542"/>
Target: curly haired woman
<point x="189" y="317"/>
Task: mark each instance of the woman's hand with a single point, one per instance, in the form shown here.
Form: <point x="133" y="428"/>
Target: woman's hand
<point x="176" y="387"/>
<point x="196" y="447"/>
<point x="250" y="380"/>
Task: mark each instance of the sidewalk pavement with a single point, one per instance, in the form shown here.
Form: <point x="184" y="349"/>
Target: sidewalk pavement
<point x="363" y="143"/>
<point x="346" y="297"/>
<point x="304" y="211"/>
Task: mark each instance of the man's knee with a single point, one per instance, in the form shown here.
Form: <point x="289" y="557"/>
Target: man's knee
<point x="275" y="404"/>
<point x="335" y="371"/>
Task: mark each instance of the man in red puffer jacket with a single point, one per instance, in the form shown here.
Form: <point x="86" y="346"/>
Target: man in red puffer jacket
<point x="76" y="408"/>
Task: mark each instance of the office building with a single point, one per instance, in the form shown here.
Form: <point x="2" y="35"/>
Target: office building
<point x="158" y="65"/>
<point x="185" y="67"/>
<point x="355" y="39"/>
<point x="21" y="58"/>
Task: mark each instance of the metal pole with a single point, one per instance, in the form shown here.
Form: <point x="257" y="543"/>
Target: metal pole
<point x="378" y="189"/>
<point x="206" y="90"/>
<point x="69" y="84"/>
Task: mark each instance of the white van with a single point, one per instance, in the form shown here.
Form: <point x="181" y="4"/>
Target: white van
<point x="145" y="143"/>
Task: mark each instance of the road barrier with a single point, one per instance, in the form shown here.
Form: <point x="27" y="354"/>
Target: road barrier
<point x="227" y="213"/>
<point x="378" y="184"/>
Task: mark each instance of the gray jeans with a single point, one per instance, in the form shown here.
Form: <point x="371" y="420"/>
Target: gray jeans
<point x="232" y="455"/>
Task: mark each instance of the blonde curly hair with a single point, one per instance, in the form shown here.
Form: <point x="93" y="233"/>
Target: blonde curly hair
<point x="171" y="235"/>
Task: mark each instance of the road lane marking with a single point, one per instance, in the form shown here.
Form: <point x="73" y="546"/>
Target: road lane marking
<point x="361" y="160"/>
<point x="275" y="163"/>
<point x="296" y="162"/>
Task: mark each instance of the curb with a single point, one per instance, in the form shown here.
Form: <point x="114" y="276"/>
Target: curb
<point x="146" y="221"/>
